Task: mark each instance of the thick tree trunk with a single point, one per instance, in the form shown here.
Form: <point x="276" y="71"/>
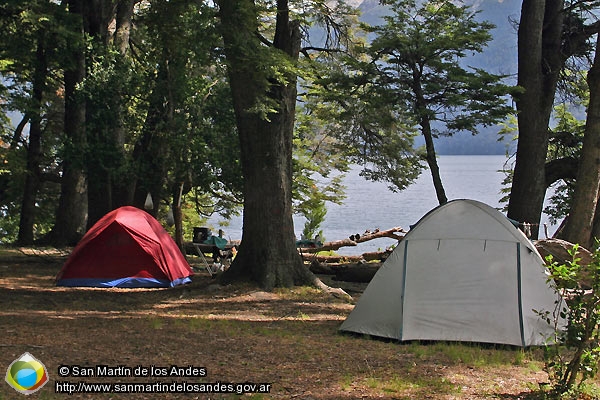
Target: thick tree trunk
<point x="109" y="187"/>
<point x="540" y="61"/>
<point x="34" y="149"/>
<point x="584" y="204"/>
<point x="96" y="16"/>
<point x="123" y="187"/>
<point x="123" y="24"/>
<point x="267" y="254"/>
<point x="72" y="208"/>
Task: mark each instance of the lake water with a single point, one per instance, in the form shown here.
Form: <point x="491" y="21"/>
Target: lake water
<point x="371" y="205"/>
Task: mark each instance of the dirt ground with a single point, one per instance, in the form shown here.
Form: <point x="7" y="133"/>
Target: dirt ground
<point x="235" y="338"/>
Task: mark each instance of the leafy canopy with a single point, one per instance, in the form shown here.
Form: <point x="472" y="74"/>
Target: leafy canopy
<point x="417" y="63"/>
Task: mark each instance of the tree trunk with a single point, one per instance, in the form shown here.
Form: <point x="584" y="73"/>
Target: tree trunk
<point x="584" y="203"/>
<point x="434" y="168"/>
<point x="430" y="156"/>
<point x="109" y="187"/>
<point x="540" y="61"/>
<point x="596" y="224"/>
<point x="123" y="25"/>
<point x="34" y="149"/>
<point x="177" y="217"/>
<point x="150" y="152"/>
<point x="100" y="159"/>
<point x="97" y="15"/>
<point x="72" y="208"/>
<point x="18" y="133"/>
<point x="123" y="188"/>
<point x="267" y="254"/>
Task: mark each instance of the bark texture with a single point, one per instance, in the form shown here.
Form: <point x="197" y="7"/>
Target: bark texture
<point x="34" y="149"/>
<point x="267" y="254"/>
<point x="540" y="61"/>
<point x="72" y="208"/>
<point x="584" y="205"/>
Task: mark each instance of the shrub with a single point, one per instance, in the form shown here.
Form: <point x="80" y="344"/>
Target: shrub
<point x="573" y="356"/>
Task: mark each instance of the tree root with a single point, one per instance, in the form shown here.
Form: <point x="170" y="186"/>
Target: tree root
<point x="335" y="292"/>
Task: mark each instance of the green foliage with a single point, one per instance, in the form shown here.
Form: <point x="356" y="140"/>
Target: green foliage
<point x="420" y="49"/>
<point x="174" y="60"/>
<point x="368" y="131"/>
<point x="315" y="215"/>
<point x="319" y="164"/>
<point x="196" y="130"/>
<point x="12" y="178"/>
<point x="573" y="358"/>
<point x="34" y="33"/>
<point x="196" y="125"/>
<point x="565" y="142"/>
<point x="110" y="91"/>
<point x="409" y="79"/>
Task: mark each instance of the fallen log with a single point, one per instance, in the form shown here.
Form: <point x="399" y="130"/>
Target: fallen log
<point x="333" y="268"/>
<point x="361" y="272"/>
<point x="329" y="246"/>
<point x="321" y="268"/>
<point x="393" y="233"/>
<point x="376" y="255"/>
<point x="353" y="240"/>
<point x="369" y="256"/>
<point x="330" y="259"/>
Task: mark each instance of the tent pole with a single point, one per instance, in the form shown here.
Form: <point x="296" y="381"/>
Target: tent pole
<point x="519" y="291"/>
<point x="401" y="333"/>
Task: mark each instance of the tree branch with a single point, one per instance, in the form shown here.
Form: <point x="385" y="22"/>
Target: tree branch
<point x="19" y="132"/>
<point x="306" y="49"/>
<point x="561" y="168"/>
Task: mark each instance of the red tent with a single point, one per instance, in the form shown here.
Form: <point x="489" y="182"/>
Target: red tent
<point x="125" y="248"/>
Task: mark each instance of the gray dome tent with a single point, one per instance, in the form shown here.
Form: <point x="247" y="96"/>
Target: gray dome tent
<point x="463" y="273"/>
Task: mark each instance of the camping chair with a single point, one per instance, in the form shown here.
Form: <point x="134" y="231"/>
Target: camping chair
<point x="221" y="259"/>
<point x="200" y="252"/>
<point x="211" y="267"/>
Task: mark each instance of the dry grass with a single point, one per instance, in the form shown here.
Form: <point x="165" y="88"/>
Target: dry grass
<point x="288" y="339"/>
